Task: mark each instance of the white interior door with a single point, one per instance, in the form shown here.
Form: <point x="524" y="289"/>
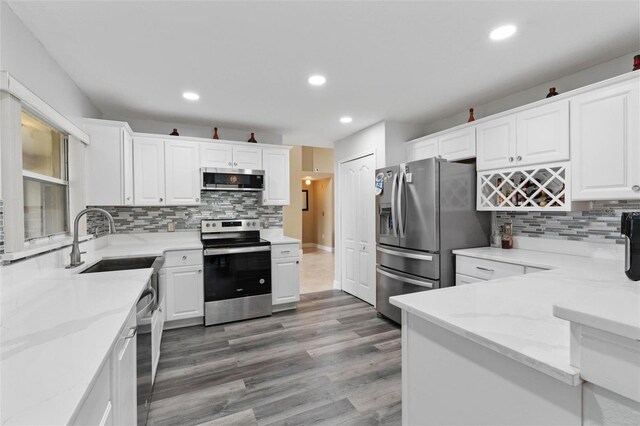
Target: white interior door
<point x="357" y="229"/>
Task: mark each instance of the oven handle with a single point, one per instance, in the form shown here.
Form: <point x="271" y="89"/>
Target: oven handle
<point x="214" y="252"/>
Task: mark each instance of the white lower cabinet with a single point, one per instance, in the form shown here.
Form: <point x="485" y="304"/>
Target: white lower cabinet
<point x="185" y="292"/>
<point x="112" y="400"/>
<point x="285" y="276"/>
<point x="472" y="270"/>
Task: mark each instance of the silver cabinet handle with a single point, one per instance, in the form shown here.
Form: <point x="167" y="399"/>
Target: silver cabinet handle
<point x="184" y="258"/>
<point x="484" y="269"/>
<point x="285" y="251"/>
<point x="128" y="198"/>
<point x="297" y="262"/>
<point x="197" y="200"/>
<point x="161" y="199"/>
<point x="229" y="163"/>
<point x="636" y="188"/>
<point x="132" y="333"/>
<point x="511" y="159"/>
<point x="519" y="158"/>
<point x="235" y="164"/>
<point x="199" y="271"/>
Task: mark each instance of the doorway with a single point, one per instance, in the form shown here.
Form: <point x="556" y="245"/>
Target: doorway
<point x="357" y="235"/>
<point x="317" y="270"/>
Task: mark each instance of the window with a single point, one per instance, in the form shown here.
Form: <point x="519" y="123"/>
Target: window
<point x="44" y="171"/>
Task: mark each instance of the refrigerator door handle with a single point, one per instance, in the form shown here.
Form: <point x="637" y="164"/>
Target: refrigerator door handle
<point x="394" y="222"/>
<point x="425" y="284"/>
<point x="399" y="208"/>
<point x="407" y="255"/>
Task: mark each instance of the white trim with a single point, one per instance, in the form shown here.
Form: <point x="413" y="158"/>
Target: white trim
<point x="309" y="245"/>
<point x="318" y="246"/>
<point x="32" y="101"/>
<point x="43" y="178"/>
<point x="357" y="156"/>
<point x="337" y="285"/>
<point x="43" y="245"/>
<point x="207" y="140"/>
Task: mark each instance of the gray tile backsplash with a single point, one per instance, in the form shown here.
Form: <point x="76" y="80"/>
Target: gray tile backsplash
<point x="214" y="205"/>
<point x="1" y="227"/>
<point x="600" y="224"/>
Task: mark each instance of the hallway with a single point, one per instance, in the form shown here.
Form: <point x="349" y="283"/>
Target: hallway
<point x="316" y="272"/>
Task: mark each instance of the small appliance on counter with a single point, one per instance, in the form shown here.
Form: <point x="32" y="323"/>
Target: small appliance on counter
<point x="631" y="232"/>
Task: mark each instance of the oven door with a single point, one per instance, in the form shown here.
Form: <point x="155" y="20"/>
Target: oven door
<point x="230" y="273"/>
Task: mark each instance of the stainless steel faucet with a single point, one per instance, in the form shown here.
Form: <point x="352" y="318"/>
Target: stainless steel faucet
<point x="75" y="249"/>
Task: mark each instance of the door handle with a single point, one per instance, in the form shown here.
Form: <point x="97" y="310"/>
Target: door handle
<point x="132" y="333"/>
<point x="394" y="220"/>
<point x="635" y="188"/>
<point x="400" y="218"/>
<point x="519" y="158"/>
<point x="426" y="257"/>
<point x="484" y="269"/>
<point x="404" y="279"/>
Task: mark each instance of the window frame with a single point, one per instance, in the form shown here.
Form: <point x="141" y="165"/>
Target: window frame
<point x="37" y="177"/>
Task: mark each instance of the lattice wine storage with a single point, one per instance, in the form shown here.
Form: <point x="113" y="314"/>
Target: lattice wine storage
<point x="542" y="187"/>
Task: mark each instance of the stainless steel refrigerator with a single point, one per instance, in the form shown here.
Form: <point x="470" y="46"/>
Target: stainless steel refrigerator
<point x="426" y="209"/>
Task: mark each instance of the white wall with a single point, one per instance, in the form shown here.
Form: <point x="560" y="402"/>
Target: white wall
<point x="196" y="131"/>
<point x="564" y="84"/>
<point x="26" y="59"/>
<point x="396" y="134"/>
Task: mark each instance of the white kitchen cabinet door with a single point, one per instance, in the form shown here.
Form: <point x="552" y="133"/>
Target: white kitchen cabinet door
<point x="127" y="164"/>
<point x="275" y="163"/>
<point x="496" y="143"/>
<point x="185" y="292"/>
<point x="124" y="361"/>
<point x="216" y="155"/>
<point x="285" y="277"/>
<point x="458" y="145"/>
<point x="543" y="134"/>
<point x="605" y="147"/>
<point x="421" y="149"/>
<point x="148" y="171"/>
<point x="182" y="173"/>
<point x="247" y="157"/>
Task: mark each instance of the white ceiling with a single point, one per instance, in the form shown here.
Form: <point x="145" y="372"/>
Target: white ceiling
<point x="249" y="61"/>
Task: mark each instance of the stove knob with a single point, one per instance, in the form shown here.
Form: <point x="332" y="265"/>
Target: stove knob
<point x="254" y="224"/>
<point x="208" y="225"/>
<point x="214" y="225"/>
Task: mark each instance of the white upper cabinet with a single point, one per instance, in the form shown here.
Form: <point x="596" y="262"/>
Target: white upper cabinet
<point x="543" y="134"/>
<point x="275" y="162"/>
<point x="222" y="156"/>
<point x="247" y="157"/>
<point x="458" y="145"/>
<point x="422" y="148"/>
<point x="182" y="173"/>
<point x="605" y="146"/>
<point x="534" y="136"/>
<point x="216" y="155"/>
<point x="109" y="163"/>
<point x="148" y="171"/>
<point x="496" y="143"/>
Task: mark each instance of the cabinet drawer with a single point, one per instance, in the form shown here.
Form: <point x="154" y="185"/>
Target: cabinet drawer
<point x="285" y="250"/>
<point x="183" y="258"/>
<point x="465" y="279"/>
<point x="486" y="269"/>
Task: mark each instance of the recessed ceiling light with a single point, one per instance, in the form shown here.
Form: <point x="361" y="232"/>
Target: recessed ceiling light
<point x="317" y="80"/>
<point x="191" y="96"/>
<point x="346" y="120"/>
<point x="503" y="32"/>
<point x="307" y="181"/>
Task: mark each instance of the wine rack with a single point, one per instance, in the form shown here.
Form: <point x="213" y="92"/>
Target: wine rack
<point x="534" y="188"/>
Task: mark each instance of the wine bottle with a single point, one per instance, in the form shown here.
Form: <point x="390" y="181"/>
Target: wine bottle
<point x="252" y="139"/>
<point x="215" y="133"/>
<point x="174" y="133"/>
<point x="552" y="92"/>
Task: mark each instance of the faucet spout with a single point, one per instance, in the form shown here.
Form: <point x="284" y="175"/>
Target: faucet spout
<point x="76" y="254"/>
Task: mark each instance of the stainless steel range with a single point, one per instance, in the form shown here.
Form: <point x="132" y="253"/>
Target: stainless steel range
<point x="237" y="271"/>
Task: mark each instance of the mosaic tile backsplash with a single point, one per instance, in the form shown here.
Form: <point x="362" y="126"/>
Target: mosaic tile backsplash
<point x="1" y="227"/>
<point x="601" y="224"/>
<point x="215" y="205"/>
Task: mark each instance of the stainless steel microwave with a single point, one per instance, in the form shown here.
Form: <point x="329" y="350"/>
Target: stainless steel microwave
<point x="232" y="179"/>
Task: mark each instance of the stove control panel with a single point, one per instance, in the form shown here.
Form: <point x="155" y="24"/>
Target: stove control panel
<point x="230" y="225"/>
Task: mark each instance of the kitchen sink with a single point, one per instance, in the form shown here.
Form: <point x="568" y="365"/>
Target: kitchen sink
<point x="108" y="265"/>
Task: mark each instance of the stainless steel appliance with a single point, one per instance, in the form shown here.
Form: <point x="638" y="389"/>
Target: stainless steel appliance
<point x="426" y="209"/>
<point x="232" y="179"/>
<point x="631" y="231"/>
<point x="237" y="271"/>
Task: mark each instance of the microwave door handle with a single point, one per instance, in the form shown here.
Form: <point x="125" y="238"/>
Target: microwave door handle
<point x="394" y="221"/>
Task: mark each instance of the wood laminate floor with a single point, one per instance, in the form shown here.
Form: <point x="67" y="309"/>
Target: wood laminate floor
<point x="332" y="361"/>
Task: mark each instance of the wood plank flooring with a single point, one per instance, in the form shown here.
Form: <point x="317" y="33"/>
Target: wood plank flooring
<point x="332" y="361"/>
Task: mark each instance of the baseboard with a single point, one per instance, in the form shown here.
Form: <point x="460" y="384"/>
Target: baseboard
<point x="309" y="245"/>
<point x="337" y="285"/>
<point x="324" y="248"/>
<point x="168" y="325"/>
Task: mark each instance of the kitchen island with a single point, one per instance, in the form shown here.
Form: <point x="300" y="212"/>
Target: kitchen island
<point x="496" y="347"/>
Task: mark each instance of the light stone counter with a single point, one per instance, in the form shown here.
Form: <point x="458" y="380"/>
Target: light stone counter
<point x="515" y="316"/>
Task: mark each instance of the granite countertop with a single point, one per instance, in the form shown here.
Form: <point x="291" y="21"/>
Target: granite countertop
<point x="514" y="316"/>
